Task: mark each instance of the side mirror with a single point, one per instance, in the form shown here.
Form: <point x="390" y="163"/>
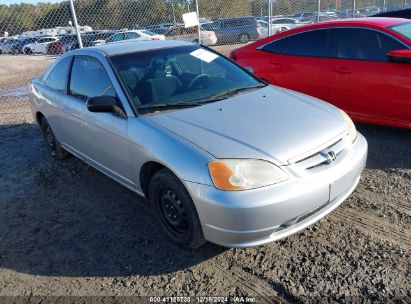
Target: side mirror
<point x="250" y="69"/>
<point x="400" y="56"/>
<point x="105" y="104"/>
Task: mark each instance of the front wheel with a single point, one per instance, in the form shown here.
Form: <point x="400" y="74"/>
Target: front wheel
<point x="175" y="210"/>
<point x="244" y="38"/>
<point x="54" y="145"/>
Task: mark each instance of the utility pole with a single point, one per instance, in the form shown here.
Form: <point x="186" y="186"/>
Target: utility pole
<point x="74" y="17"/>
<point x="199" y="25"/>
<point x="318" y="10"/>
<point x="269" y="17"/>
<point x="353" y="8"/>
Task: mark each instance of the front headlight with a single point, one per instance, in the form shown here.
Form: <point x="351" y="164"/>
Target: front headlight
<point x="349" y="125"/>
<point x="244" y="174"/>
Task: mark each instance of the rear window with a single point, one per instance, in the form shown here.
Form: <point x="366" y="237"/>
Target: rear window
<point x="404" y="29"/>
<point x="57" y="79"/>
<point x="148" y="33"/>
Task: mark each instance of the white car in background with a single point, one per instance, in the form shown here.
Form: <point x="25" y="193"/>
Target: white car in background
<point x="190" y="34"/>
<point x="278" y="25"/>
<point x="135" y="35"/>
<point x="40" y="46"/>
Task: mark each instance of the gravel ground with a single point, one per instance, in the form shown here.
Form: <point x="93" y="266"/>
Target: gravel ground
<point x="66" y="229"/>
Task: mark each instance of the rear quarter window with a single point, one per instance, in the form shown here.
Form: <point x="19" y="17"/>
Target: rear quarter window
<point x="309" y="44"/>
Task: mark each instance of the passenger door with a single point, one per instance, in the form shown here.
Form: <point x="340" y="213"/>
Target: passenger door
<point x="300" y="62"/>
<point x="363" y="81"/>
<point x="101" y="138"/>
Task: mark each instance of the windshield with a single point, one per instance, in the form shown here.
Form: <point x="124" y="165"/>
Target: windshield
<point x="188" y="75"/>
<point x="404" y="29"/>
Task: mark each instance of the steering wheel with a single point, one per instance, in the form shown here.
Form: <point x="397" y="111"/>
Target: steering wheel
<point x="198" y="79"/>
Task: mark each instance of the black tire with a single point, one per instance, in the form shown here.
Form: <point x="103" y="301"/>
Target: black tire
<point x="55" y="147"/>
<point x="244" y="38"/>
<point x="28" y="51"/>
<point x="175" y="210"/>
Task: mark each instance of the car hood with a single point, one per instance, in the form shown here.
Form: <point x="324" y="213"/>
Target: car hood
<point x="269" y="123"/>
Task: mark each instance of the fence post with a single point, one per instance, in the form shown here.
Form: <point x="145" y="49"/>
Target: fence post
<point x="199" y="25"/>
<point x="353" y="8"/>
<point x="74" y="17"/>
<point x="269" y="17"/>
<point x="318" y="10"/>
<point x="384" y="4"/>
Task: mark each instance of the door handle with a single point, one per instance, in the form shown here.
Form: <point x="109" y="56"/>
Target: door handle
<point x="274" y="63"/>
<point x="342" y="70"/>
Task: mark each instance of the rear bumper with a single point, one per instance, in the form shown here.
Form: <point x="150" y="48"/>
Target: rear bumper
<point x="260" y="216"/>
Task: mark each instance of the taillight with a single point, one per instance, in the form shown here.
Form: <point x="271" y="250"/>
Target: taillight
<point x="233" y="56"/>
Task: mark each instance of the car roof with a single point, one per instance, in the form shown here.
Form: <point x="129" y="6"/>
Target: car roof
<point x="123" y="47"/>
<point x="375" y="21"/>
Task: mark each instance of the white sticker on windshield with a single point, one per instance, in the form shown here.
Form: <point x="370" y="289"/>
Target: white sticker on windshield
<point x="204" y="55"/>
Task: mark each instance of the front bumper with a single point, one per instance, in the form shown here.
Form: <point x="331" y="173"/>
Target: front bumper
<point x="260" y="216"/>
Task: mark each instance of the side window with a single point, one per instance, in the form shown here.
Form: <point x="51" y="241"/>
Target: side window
<point x="363" y="44"/>
<point x="57" y="79"/>
<point x="311" y="44"/>
<point x="274" y="47"/>
<point x="89" y="79"/>
<point x="132" y="36"/>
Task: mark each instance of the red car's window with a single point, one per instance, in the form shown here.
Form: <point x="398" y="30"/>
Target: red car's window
<point x="311" y="44"/>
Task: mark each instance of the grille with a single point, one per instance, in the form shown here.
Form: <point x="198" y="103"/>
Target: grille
<point x="319" y="159"/>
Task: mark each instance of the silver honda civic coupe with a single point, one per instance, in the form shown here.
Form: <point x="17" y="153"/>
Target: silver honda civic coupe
<point x="221" y="155"/>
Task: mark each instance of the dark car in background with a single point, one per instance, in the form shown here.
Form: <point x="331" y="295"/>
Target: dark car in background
<point x="401" y="13"/>
<point x="90" y="39"/>
<point x="235" y="30"/>
<point x="68" y="41"/>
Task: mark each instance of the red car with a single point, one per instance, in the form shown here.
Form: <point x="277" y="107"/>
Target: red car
<point x="55" y="47"/>
<point x="362" y="66"/>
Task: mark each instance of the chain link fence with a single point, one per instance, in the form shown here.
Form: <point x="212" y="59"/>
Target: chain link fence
<point x="33" y="33"/>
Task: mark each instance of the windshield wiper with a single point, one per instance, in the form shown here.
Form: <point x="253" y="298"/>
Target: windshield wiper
<point x="168" y="106"/>
<point x="235" y="91"/>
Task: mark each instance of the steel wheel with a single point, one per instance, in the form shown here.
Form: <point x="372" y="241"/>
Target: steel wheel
<point x="173" y="212"/>
<point x="50" y="140"/>
<point x="54" y="146"/>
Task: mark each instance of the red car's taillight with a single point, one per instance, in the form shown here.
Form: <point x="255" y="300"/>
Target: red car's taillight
<point x="233" y="56"/>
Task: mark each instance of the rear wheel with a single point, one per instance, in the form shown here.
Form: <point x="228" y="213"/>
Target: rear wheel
<point x="175" y="210"/>
<point x="54" y="145"/>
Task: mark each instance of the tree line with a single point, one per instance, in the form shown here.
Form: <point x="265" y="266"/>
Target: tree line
<point x="119" y="14"/>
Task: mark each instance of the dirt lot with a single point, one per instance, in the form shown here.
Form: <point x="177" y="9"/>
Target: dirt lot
<point x="65" y="229"/>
